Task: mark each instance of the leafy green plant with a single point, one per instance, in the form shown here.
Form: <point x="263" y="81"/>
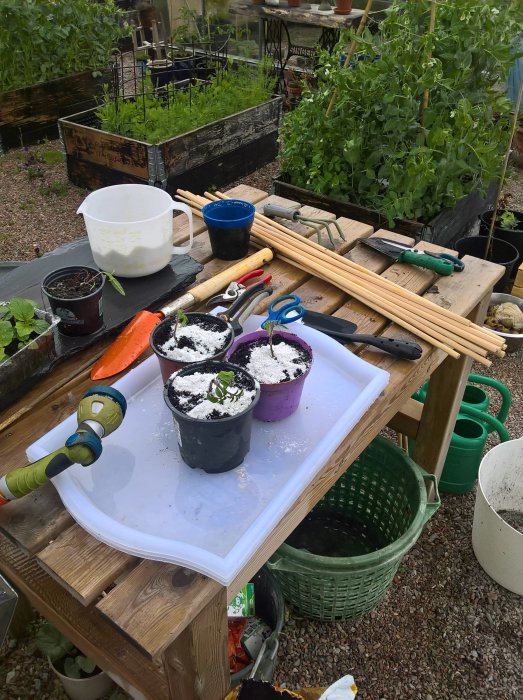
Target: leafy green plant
<point x="62" y="653"/>
<point x="57" y="188"/>
<point x="19" y="325"/>
<point x="45" y="39"/>
<point x="114" y="282"/>
<point x="154" y="120"/>
<point x="378" y="147"/>
<point x="222" y="387"/>
<point x="508" y="220"/>
<point x="270" y="327"/>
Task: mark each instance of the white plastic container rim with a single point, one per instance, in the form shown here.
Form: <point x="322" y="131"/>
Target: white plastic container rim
<point x="498" y="546"/>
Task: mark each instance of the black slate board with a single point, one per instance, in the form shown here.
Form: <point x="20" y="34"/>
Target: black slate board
<point x="140" y="292"/>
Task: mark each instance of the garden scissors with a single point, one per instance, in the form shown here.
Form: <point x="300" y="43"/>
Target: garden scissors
<point x="281" y="313"/>
<point x="234" y="289"/>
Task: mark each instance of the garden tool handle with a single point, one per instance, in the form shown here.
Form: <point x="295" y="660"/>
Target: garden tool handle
<point x="506" y="397"/>
<point x="405" y="349"/>
<point x="215" y="284"/>
<point x="439" y="265"/>
<point x="282" y="212"/>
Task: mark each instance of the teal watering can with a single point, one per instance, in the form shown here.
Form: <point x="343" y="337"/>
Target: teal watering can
<point x="470" y="433"/>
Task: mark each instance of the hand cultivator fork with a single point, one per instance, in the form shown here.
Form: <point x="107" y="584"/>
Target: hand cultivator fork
<point x="314" y="222"/>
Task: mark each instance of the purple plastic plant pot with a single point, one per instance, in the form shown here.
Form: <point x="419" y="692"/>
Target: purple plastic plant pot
<point x="277" y="401"/>
<point x="168" y="366"/>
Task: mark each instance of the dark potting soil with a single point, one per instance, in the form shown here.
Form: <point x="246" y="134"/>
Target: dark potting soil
<point x="242" y="355"/>
<point x="330" y="534"/>
<point x="207" y="323"/>
<point x="75" y="285"/>
<point x="514" y="518"/>
<point x="241" y="381"/>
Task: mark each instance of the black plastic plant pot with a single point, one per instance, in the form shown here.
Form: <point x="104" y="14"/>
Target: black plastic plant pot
<point x="80" y="309"/>
<point x="164" y="330"/>
<point x="503" y="253"/>
<point x="514" y="236"/>
<point x="214" y="445"/>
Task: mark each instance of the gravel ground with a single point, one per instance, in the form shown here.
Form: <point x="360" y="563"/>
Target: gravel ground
<point x="445" y="631"/>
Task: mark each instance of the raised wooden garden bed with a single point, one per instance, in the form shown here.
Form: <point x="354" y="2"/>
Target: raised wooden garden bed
<point x="29" y="114"/>
<point x="215" y="154"/>
<point x="443" y="229"/>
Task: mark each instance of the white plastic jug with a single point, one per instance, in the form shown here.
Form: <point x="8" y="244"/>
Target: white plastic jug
<point x="130" y="228"/>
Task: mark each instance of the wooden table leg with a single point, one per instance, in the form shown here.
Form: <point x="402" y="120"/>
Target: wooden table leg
<point x="444" y="397"/>
<point x="196" y="664"/>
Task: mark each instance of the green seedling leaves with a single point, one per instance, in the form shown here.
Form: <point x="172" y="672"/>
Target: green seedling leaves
<point x="222" y="387"/>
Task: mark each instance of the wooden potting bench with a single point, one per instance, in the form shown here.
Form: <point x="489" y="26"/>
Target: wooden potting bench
<point x="160" y="628"/>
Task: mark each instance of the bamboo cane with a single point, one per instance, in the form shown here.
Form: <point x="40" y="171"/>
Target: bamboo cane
<point x="424" y="320"/>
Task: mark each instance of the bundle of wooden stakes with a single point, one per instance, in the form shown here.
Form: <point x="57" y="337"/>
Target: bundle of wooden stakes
<point x="438" y="326"/>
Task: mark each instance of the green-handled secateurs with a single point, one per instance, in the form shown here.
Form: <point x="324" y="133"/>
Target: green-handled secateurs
<point x="100" y="412"/>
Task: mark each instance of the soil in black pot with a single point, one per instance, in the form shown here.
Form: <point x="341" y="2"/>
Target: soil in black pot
<point x="75" y="285"/>
<point x="291" y="359"/>
<point x="188" y="394"/>
<point x="202" y="338"/>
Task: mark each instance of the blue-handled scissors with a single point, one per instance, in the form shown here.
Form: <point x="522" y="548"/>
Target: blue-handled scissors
<point x="281" y="313"/>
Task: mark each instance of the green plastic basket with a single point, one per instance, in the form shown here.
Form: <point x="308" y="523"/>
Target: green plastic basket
<point x="378" y="506"/>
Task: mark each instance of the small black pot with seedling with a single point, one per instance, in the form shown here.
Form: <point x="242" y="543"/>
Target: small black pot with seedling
<point x="212" y="405"/>
<point x="75" y="296"/>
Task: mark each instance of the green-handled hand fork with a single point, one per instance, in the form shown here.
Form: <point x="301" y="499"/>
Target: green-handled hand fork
<point x="100" y="412"/>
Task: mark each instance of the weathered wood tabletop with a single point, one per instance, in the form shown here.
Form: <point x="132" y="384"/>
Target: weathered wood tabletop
<point x="160" y="628"/>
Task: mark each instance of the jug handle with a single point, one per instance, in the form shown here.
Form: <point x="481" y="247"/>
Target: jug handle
<point x="179" y="206"/>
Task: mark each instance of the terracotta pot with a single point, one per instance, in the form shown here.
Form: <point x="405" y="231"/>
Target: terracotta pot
<point x="293" y="3"/>
<point x="343" y="7"/>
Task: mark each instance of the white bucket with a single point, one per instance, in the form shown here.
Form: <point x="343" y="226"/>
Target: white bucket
<point x="498" y="546"/>
<point x="130" y="228"/>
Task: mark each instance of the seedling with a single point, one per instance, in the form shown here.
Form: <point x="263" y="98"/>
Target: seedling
<point x="181" y="321"/>
<point x="114" y="282"/>
<point x="269" y="326"/>
<point x="18" y="325"/>
<point x="507" y="220"/>
<point x="222" y="387"/>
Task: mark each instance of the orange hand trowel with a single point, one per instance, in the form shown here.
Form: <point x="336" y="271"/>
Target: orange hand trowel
<point x="134" y="339"/>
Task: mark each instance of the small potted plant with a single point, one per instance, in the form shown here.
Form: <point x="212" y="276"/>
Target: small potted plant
<point x="27" y="346"/>
<point x="212" y="405"/>
<point x="280" y="361"/>
<point x="79" y="675"/>
<point x="508" y="226"/>
<point x="75" y="295"/>
<point x="188" y="338"/>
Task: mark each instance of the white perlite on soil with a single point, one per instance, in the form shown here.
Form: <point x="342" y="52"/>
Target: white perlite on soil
<point x="273" y="370"/>
<point x="197" y="385"/>
<point x="207" y="343"/>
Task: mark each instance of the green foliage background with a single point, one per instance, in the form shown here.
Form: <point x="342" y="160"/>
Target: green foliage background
<point x="154" y="120"/>
<point x="45" y="39"/>
<point x="372" y="149"/>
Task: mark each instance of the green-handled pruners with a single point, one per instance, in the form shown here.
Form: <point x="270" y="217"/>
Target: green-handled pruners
<point x="442" y="263"/>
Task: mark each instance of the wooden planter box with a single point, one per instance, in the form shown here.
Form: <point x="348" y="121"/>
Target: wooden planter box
<point x="30" y="114"/>
<point x="215" y="154"/>
<point x="444" y="229"/>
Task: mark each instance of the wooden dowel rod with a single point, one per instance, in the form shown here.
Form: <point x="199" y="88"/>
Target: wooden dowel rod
<point x="340" y="261"/>
<point x="266" y="227"/>
<point x="429" y="315"/>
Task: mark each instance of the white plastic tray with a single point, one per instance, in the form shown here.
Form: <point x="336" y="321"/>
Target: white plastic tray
<point x="139" y="497"/>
